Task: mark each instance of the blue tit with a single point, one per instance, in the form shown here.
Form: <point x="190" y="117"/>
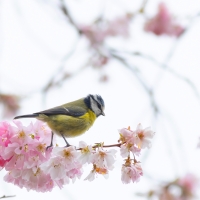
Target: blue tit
<point x="71" y="119"/>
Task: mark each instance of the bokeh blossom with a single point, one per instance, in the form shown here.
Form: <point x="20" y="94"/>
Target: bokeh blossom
<point x="10" y="104"/>
<point x="98" y="32"/>
<point x="189" y="183"/>
<point x="182" y="188"/>
<point x="163" y="23"/>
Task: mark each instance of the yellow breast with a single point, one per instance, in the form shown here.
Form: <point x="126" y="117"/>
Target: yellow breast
<point x="71" y="126"/>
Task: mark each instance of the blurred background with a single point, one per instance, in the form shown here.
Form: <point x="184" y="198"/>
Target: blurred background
<point x="141" y="56"/>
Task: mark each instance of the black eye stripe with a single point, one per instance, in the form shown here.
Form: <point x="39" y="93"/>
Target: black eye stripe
<point x="99" y="106"/>
<point x="98" y="100"/>
<point x="92" y="97"/>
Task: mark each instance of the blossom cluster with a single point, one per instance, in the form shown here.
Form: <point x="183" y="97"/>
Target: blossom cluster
<point x="100" y="30"/>
<point x="132" y="142"/>
<point x="182" y="188"/>
<point x="10" y="104"/>
<point x="24" y="155"/>
<point x="163" y="23"/>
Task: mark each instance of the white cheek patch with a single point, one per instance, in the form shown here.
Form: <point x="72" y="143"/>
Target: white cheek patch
<point x="95" y="97"/>
<point x="94" y="107"/>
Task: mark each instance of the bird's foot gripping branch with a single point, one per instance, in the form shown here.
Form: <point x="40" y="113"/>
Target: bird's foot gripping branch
<point x="23" y="154"/>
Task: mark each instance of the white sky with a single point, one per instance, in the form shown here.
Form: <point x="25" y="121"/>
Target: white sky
<point x="34" y="37"/>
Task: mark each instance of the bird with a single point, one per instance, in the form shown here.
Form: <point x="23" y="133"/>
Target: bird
<point x="71" y="119"/>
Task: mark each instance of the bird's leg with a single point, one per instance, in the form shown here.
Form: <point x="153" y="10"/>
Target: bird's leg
<point x="51" y="144"/>
<point x="67" y="144"/>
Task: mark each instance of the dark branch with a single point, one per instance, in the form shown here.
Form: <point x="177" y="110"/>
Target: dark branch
<point x="4" y="196"/>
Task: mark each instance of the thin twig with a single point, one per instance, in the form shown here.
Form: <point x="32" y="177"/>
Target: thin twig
<point x="112" y="145"/>
<point x="143" y="6"/>
<point x="135" y="71"/>
<point x="103" y="146"/>
<point x="178" y="40"/>
<point x="60" y="68"/>
<point x="4" y="196"/>
<point x="66" y="13"/>
<point x="64" y="77"/>
<point x="164" y="67"/>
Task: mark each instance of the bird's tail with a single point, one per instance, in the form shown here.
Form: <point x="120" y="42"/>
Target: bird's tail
<point x="26" y="116"/>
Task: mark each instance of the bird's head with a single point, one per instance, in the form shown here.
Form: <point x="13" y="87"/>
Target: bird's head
<point x="96" y="104"/>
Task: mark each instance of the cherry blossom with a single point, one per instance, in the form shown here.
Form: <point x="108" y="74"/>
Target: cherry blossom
<point x="63" y="162"/>
<point x="131" y="171"/>
<point x="181" y="188"/>
<point x="97" y="170"/>
<point x="127" y="135"/>
<point x="188" y="183"/>
<point x="29" y="164"/>
<point x="10" y="104"/>
<point x="5" y="134"/>
<point x="2" y="162"/>
<point x="127" y="148"/>
<point x="86" y="152"/>
<point x="163" y="23"/>
<point x="119" y="26"/>
<point x="98" y="32"/>
<point x="143" y="137"/>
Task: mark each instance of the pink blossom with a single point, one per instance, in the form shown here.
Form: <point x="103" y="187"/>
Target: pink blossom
<point x="131" y="172"/>
<point x="86" y="153"/>
<point x="2" y="162"/>
<point x="189" y="182"/>
<point x="75" y="172"/>
<point x="119" y="26"/>
<point x="104" y="159"/>
<point x="28" y="162"/>
<point x="95" y="35"/>
<point x="23" y="154"/>
<point x="163" y="23"/>
<point x="68" y="154"/>
<point x="24" y="148"/>
<point x="128" y="139"/>
<point x="5" y="134"/>
<point x="31" y="179"/>
<point x="97" y="170"/>
<point x="127" y="148"/>
<point x="127" y="135"/>
<point x="10" y="104"/>
<point x="63" y="164"/>
<point x="99" y="31"/>
<point x="55" y="168"/>
<point x="143" y="137"/>
<point x="42" y="132"/>
<point x="99" y="60"/>
<point x="91" y="176"/>
<point x="34" y="158"/>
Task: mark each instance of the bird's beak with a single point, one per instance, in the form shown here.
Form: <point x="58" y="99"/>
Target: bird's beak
<point x="102" y="113"/>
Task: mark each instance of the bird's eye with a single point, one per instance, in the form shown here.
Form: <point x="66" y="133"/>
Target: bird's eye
<point x="99" y="106"/>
